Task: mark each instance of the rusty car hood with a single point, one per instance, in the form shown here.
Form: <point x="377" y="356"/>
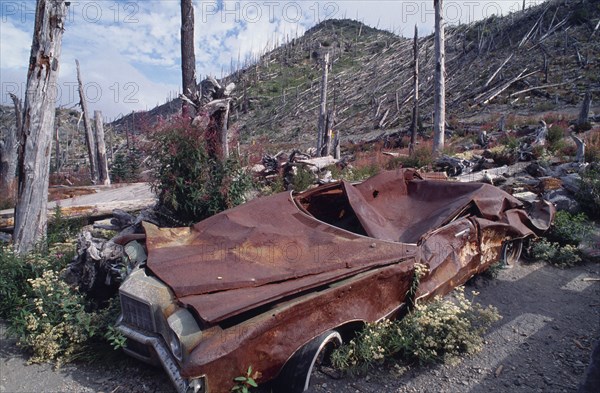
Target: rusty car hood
<point x="277" y="246"/>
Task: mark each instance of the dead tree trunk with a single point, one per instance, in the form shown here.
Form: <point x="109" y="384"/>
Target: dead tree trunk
<point x="38" y="123"/>
<point x="323" y="108"/>
<point x="87" y="125"/>
<point x="103" y="175"/>
<point x="440" y="80"/>
<point x="57" y="160"/>
<point x="188" y="60"/>
<point x="8" y="153"/>
<point x="584" y="113"/>
<point x="415" y="114"/>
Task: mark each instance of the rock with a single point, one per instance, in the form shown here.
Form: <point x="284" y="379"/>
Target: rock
<point x="571" y="182"/>
<point x="563" y="200"/>
<point x="536" y="170"/>
<point x="526" y="196"/>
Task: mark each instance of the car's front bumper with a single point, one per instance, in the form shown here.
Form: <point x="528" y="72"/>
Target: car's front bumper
<point x="153" y="350"/>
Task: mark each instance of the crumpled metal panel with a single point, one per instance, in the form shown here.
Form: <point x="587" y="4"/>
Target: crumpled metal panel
<point x="274" y="247"/>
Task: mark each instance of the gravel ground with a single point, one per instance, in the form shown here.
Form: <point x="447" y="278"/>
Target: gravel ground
<point x="551" y="321"/>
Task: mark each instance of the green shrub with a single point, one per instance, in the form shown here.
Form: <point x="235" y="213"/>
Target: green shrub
<point x="543" y="250"/>
<point x="303" y="179"/>
<point x="555" y="138"/>
<point x="125" y="167"/>
<point x="50" y="319"/>
<point x="555" y="254"/>
<point x="569" y="228"/>
<point x="193" y="185"/>
<point x="566" y="256"/>
<point x="422" y="157"/>
<point x="435" y="332"/>
<point x="589" y="192"/>
<point x="53" y="324"/>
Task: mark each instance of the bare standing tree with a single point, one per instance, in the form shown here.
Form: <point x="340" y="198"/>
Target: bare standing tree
<point x="38" y="124"/>
<point x="439" y="118"/>
<point x="323" y="108"/>
<point x="188" y="60"/>
<point x="8" y="152"/>
<point x="103" y="175"/>
<point x="415" y="114"/>
<point x="87" y="125"/>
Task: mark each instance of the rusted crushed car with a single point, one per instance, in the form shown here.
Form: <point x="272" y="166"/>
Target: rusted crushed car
<point x="273" y="283"/>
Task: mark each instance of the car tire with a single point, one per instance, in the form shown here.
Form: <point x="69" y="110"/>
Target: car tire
<point x="511" y="251"/>
<point x="295" y="376"/>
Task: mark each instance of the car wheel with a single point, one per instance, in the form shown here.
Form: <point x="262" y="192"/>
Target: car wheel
<point x="295" y="376"/>
<point x="511" y="251"/>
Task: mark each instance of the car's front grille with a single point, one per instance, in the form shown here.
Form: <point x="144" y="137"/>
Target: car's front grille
<point x="137" y="313"/>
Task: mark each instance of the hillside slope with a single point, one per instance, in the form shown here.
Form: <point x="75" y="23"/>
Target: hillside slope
<point x="371" y="74"/>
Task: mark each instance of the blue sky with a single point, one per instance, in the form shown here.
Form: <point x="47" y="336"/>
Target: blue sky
<point x="129" y="50"/>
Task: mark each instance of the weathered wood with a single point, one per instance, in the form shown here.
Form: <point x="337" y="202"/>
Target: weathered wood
<point x="188" y="60"/>
<point x="87" y="125"/>
<point x="103" y="174"/>
<point x="38" y="124"/>
<point x="415" y="113"/>
<point x="584" y="113"/>
<point x="440" y="80"/>
<point x="8" y="152"/>
<point x="323" y="107"/>
<point x="223" y="135"/>
<point x="580" y="157"/>
<point x="516" y="93"/>
<point x="57" y="161"/>
<point x="498" y="70"/>
<point x="128" y="197"/>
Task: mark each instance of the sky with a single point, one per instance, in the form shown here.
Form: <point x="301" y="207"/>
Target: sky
<point x="129" y="51"/>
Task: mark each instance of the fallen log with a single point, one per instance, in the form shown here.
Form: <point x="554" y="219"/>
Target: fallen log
<point x="93" y="210"/>
<point x="128" y="198"/>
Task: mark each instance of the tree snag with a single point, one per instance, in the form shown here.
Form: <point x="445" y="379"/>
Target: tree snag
<point x="415" y="114"/>
<point x="103" y="174"/>
<point x="87" y="125"/>
<point x="38" y="124"/>
<point x="322" y="131"/>
<point x="584" y="113"/>
<point x="8" y="153"/>
<point x="188" y="60"/>
<point x="440" y="80"/>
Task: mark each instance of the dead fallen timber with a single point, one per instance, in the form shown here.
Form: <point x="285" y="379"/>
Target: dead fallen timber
<point x="105" y="199"/>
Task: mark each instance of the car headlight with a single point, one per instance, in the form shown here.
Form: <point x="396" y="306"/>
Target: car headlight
<point x="196" y="386"/>
<point x="175" y="345"/>
<point x="184" y="333"/>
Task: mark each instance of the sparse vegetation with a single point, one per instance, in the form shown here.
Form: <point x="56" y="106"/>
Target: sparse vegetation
<point x="559" y="246"/>
<point x="52" y="320"/>
<point x="589" y="192"/>
<point x="434" y="332"/>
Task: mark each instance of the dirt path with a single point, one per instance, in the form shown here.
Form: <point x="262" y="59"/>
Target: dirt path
<point x="551" y="320"/>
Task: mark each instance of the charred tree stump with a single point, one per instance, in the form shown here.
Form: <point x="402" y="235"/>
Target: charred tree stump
<point x="440" y="80"/>
<point x="87" y="125"/>
<point x="38" y="124"/>
<point x="103" y="174"/>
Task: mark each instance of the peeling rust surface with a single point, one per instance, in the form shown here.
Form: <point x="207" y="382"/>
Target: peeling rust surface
<point x="267" y="277"/>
